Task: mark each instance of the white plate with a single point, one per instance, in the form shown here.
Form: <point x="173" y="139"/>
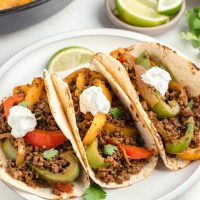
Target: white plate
<point x="161" y="184"/>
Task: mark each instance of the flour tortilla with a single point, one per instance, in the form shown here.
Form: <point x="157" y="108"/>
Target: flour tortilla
<point x="65" y="97"/>
<point x="183" y="70"/>
<point x="81" y="184"/>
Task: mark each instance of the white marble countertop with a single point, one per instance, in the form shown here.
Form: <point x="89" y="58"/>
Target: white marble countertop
<point x="84" y="14"/>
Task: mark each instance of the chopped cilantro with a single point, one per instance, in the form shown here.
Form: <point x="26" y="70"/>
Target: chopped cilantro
<point x="143" y="59"/>
<point x="94" y="192"/>
<point x="190" y="104"/>
<point x="23" y="103"/>
<point x="50" y="154"/>
<point x="116" y="112"/>
<point x="109" y="149"/>
<point x="193" y="19"/>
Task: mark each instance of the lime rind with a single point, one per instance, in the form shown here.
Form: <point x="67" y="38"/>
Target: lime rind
<point x="137" y="19"/>
<point x="68" y="58"/>
<point x="169" y="9"/>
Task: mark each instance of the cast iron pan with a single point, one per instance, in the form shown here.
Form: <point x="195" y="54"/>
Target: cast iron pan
<point x="29" y="14"/>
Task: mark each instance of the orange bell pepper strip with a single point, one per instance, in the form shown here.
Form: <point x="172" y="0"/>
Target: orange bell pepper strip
<point x="42" y="138"/>
<point x="190" y="154"/>
<point x="10" y="101"/>
<point x="65" y="187"/>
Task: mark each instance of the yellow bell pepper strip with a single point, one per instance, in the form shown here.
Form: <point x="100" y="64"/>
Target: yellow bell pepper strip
<point x="99" y="83"/>
<point x="68" y="79"/>
<point x="190" y="154"/>
<point x="181" y="144"/>
<point x="20" y="153"/>
<point x="33" y="94"/>
<point x="81" y="81"/>
<point x="94" y="158"/>
<point x="129" y="131"/>
<point x="95" y="128"/>
<point x="69" y="174"/>
<point x="21" y="89"/>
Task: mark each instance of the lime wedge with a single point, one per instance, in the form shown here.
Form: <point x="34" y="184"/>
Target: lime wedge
<point x="150" y="3"/>
<point x="169" y="7"/>
<point x="68" y="58"/>
<point x="137" y="13"/>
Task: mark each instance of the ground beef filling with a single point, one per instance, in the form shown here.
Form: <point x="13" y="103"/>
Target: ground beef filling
<point x="45" y="120"/>
<point x="35" y="156"/>
<point x="119" y="170"/>
<point x="174" y="127"/>
<point x="4" y="127"/>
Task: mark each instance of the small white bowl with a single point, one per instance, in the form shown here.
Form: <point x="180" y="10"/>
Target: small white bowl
<point x="110" y="5"/>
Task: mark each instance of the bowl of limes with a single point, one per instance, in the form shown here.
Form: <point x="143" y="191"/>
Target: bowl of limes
<point x="150" y="17"/>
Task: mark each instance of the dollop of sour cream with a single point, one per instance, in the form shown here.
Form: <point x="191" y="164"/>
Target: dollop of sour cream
<point x="21" y="120"/>
<point x="158" y="78"/>
<point x="93" y="100"/>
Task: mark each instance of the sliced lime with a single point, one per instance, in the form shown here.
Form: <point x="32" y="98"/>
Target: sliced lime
<point x="150" y="3"/>
<point x="136" y="13"/>
<point x="169" y="7"/>
<point x="68" y="58"/>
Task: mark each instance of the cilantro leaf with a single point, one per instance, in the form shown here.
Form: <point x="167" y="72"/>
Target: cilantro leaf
<point x="190" y="104"/>
<point x="193" y="19"/>
<point x="23" y="104"/>
<point x="94" y="192"/>
<point x="50" y="154"/>
<point x="109" y="149"/>
<point x="189" y="36"/>
<point x="116" y="112"/>
<point x="143" y="59"/>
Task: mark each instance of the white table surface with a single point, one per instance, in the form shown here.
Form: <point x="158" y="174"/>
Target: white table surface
<point x="84" y="14"/>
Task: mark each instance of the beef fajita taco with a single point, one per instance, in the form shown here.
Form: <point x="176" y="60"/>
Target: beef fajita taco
<point x="166" y="86"/>
<point x="117" y="153"/>
<point x="38" y="153"/>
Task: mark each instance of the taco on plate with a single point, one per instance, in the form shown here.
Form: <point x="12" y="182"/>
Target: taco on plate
<point x="116" y="148"/>
<point x="38" y="153"/>
<point x="165" y="86"/>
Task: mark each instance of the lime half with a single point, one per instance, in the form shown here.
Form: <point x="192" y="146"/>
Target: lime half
<point x="137" y="13"/>
<point x="68" y="58"/>
<point x="169" y="7"/>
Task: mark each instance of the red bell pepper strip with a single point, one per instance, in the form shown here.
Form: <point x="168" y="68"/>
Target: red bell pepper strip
<point x="133" y="151"/>
<point x="10" y="101"/>
<point x="121" y="60"/>
<point x="65" y="187"/>
<point x="42" y="138"/>
<point x="137" y="152"/>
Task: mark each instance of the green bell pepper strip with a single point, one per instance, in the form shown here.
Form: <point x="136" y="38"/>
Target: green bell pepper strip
<point x="94" y="158"/>
<point x="69" y="175"/>
<point x="163" y="110"/>
<point x="181" y="144"/>
<point x="9" y="150"/>
<point x="143" y="59"/>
